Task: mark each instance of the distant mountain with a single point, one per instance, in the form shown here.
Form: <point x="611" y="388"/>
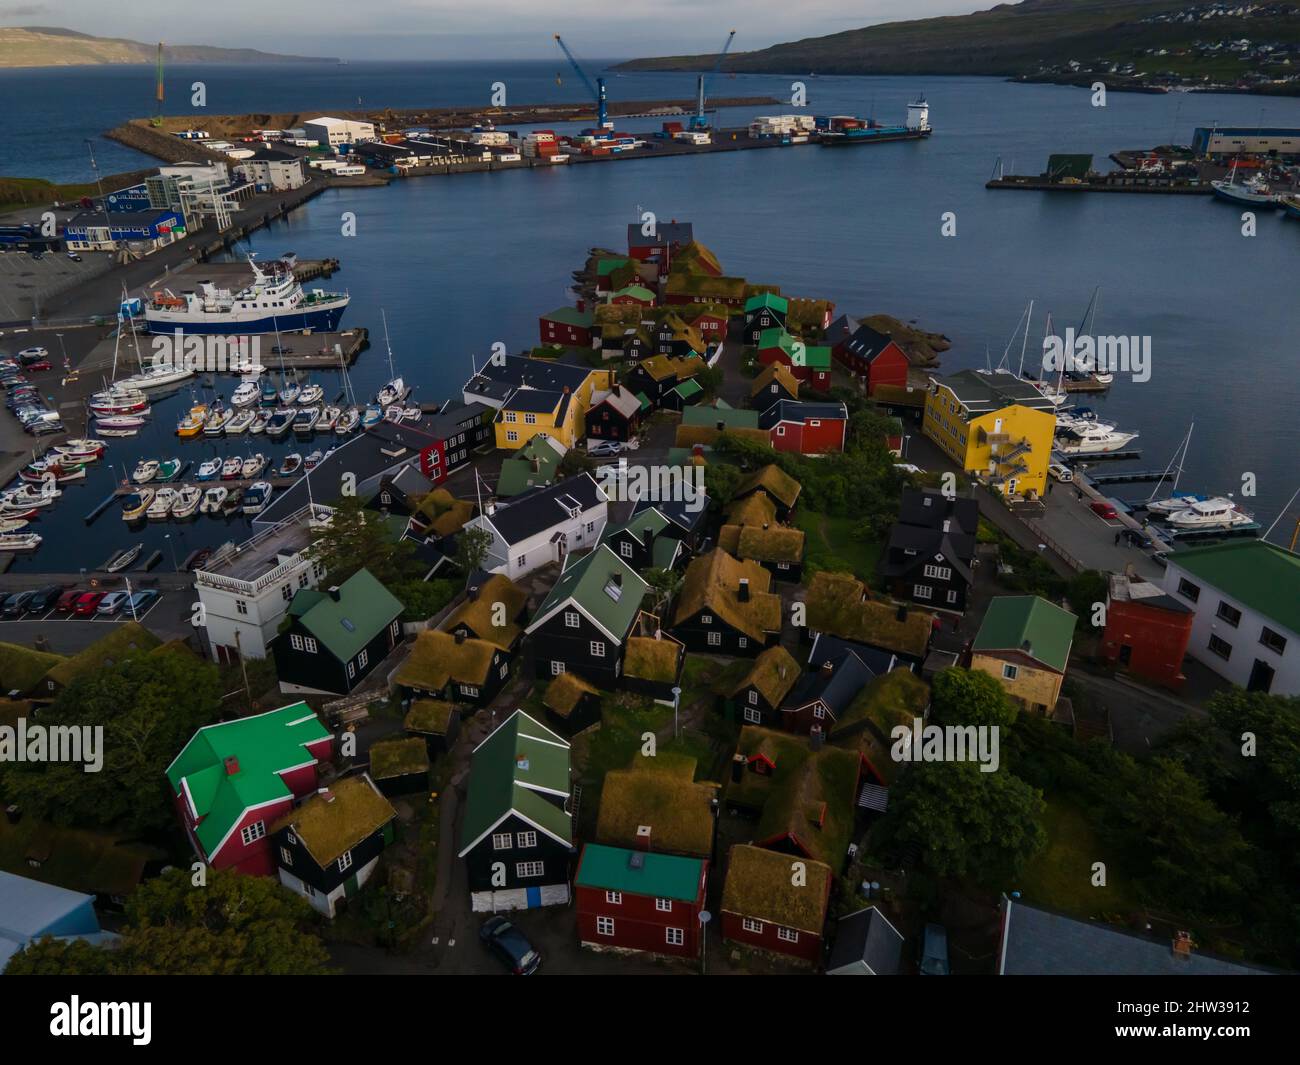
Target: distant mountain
<point x="47" y="46"/>
<point x="1015" y="39"/>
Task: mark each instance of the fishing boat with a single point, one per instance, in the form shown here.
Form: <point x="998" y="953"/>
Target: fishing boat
<point x="305" y="420"/>
<point x="258" y="424"/>
<point x="124" y="558"/>
<point x="289" y="393"/>
<point x="1291" y="205"/>
<point x="209" y="470"/>
<point x="291" y="464"/>
<point x="12" y="525"/>
<point x="394" y="391"/>
<point x="25" y="497"/>
<point x="256" y="496"/>
<point x="329" y="417"/>
<point x="253" y="466"/>
<point x="216" y="421"/>
<point x="1254" y="192"/>
<point x="19" y="542"/>
<point x="233" y="503"/>
<point x="230" y="469"/>
<point x="267" y="392"/>
<point x="373" y="415"/>
<point x="245" y="395"/>
<point x="169" y="469"/>
<point x="313" y="460"/>
<point x="1217" y="513"/>
<point x="1174" y="504"/>
<point x="119" y="425"/>
<point x="187" y="502"/>
<point x="192" y="423"/>
<point x="163" y="501"/>
<point x="312" y="393"/>
<point x="279" y="424"/>
<point x="80" y="450"/>
<point x="348" y="421"/>
<point x="213" y="498"/>
<point x="240" y="422"/>
<point x="56" y="469"/>
<point x="135" y="505"/>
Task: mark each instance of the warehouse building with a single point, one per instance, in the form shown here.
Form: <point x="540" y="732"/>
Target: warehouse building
<point x="276" y="170"/>
<point x="334" y="132"/>
<point x="1246" y="140"/>
<point x="146" y="230"/>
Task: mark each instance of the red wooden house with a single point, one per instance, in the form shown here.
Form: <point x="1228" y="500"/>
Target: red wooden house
<point x="810" y="363"/>
<point x="806" y="428"/>
<point x="236" y="778"/>
<point x="569" y="326"/>
<point x="776" y="902"/>
<point x="713" y="327"/>
<point x="660" y="246"/>
<point x="874" y="356"/>
<point x="1147" y="631"/>
<point x="640" y="900"/>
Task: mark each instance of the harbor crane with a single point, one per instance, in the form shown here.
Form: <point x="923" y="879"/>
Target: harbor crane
<point x="699" y="121"/>
<point x="597" y="90"/>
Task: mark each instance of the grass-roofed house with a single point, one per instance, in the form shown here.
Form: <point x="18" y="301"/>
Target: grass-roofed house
<point x="435" y="721"/>
<point x="725" y="606"/>
<point x="400" y="766"/>
<point x="235" y="778"/>
<point x="517" y="832"/>
<point x="336" y="637"/>
<point x="840" y="605"/>
<point x="810" y="363"/>
<point x="454" y="667"/>
<point x="120" y="642"/>
<point x="653" y="660"/>
<point x="685" y="287"/>
<point x="777" y="485"/>
<point x="571" y="703"/>
<point x="656" y="376"/>
<point x="1024" y="643"/>
<point x="778" y="548"/>
<point x="657" y="804"/>
<point x="757" y="695"/>
<point x="639" y="900"/>
<point x="22" y="668"/>
<point x="674" y="336"/>
<point x="703" y="424"/>
<point x="763" y="908"/>
<point x="892" y="700"/>
<point x="773" y="384"/>
<point x="329" y="846"/>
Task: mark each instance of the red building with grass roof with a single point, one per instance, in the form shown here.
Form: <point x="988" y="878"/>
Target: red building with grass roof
<point x="634" y="899"/>
<point x="234" y="779"/>
<point x="776" y="902"/>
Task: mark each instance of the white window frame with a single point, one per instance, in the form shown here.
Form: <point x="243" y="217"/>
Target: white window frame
<point x="529" y="870"/>
<point x="311" y="645"/>
<point x="604" y="926"/>
<point x="664" y="905"/>
<point x="597" y="648"/>
<point x="501" y="841"/>
<point x="749" y="924"/>
<point x="345" y="861"/>
<point x="572" y="619"/>
<point x="1010" y="672"/>
<point x="286" y="856"/>
<point x="753" y="715"/>
<point x="557" y="667"/>
<point x="526" y="839"/>
<point x="625" y="549"/>
<point x="250" y="834"/>
<point x="614" y="898"/>
<point x="715" y="639"/>
<point x="675" y="937"/>
<point x="922" y="591"/>
<point x="787" y="935"/>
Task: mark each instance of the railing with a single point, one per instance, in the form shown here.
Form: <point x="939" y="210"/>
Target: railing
<point x="221" y="582"/>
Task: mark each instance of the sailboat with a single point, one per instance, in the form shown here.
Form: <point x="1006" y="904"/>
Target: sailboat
<point x="396" y="389"/>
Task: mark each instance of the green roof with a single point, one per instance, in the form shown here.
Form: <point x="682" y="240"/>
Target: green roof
<point x="1254" y="573"/>
<point x="1013" y="620"/>
<point x="816" y="356"/>
<point x="570" y="316"/>
<point x="608" y="266"/>
<point x="645" y="401"/>
<point x="689" y="388"/>
<point x="769" y="300"/>
<point x="662" y="876"/>
<point x="363" y="609"/>
<point x="731" y="417"/>
<point x="639" y="292"/>
<point x="589" y="582"/>
<point x="517" y="473"/>
<point x="265" y="745"/>
<point x="513" y="771"/>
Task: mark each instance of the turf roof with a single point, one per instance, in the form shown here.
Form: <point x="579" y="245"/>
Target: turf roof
<point x="774" y="543"/>
<point x="397" y="758"/>
<point x="775" y="482"/>
<point x="711" y="585"/>
<point x="477" y="613"/>
<point x="647" y="658"/>
<point x="754" y="509"/>
<point x="328" y="827"/>
<point x="837" y="604"/>
<point x="120" y="642"/>
<point x="430" y="716"/>
<point x="660" y="792"/>
<point x="773" y="673"/>
<point x="21" y="667"/>
<point x="436" y="659"/>
<point x="565" y="691"/>
<point x="1030" y="624"/>
<point x="780" y="373"/>
<point x="759" y="885"/>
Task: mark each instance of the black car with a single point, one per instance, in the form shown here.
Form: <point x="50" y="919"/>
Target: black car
<point x="43" y="599"/>
<point x="510" y="945"/>
<point x="16" y="604"/>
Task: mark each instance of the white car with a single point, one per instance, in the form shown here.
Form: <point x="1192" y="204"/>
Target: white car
<point x="907" y="467"/>
<point x="1060" y="473"/>
<point x="604" y="447"/>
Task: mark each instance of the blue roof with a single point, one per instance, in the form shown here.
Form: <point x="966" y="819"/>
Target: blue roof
<point x="30" y="908"/>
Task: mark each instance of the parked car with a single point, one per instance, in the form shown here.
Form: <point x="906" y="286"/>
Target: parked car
<point x="39" y="364"/>
<point x="43" y="599"/>
<point x="87" y="603"/>
<point x="74" y="256"/>
<point x="16" y="605"/>
<point x="934" y="951"/>
<point x="112" y="603"/>
<point x="65" y="603"/>
<point x="510" y="945"/>
<point x="278" y="349"/>
<point x="140" y="602"/>
<point x="1105" y="510"/>
<point x="33" y="354"/>
<point x="907" y="467"/>
<point x="1060" y="473"/>
<point x="604" y="447"/>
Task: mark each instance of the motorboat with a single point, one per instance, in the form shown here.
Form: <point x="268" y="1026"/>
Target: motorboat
<point x="163" y="501"/>
<point x="80" y="450"/>
<point x="1098" y="439"/>
<point x="192" y="423"/>
<point x="394" y="414"/>
<point x="1217" y="513"/>
<point x="1174" y="504"/>
<point x="187" y="501"/>
<point x="124" y="558"/>
<point x="253" y="466"/>
<point x="394" y="391"/>
<point x="213" y="498"/>
<point x="256" y="497"/>
<point x="56" y="469"/>
<point x="209" y="470"/>
<point x="373" y="415"/>
<point x="119" y="425"/>
<point x="216" y="421"/>
<point x="169" y="469"/>
<point x="329" y="417"/>
<point x="127" y="401"/>
<point x="231" y="467"/>
<point x="26" y="497"/>
<point x="239" y="422"/>
<point x="312" y="393"/>
<point x="279" y="424"/>
<point x="135" y="505"/>
<point x="291" y="464"/>
<point x="348" y="421"/>
<point x="12" y="525"/>
<point x="258" y="424"/>
<point x="313" y="460"/>
<point x="145" y="470"/>
<point x="233" y="503"/>
<point x="19" y="542"/>
<point x="267" y="392"/>
<point x="245" y="395"/>
<point x="305" y="420"/>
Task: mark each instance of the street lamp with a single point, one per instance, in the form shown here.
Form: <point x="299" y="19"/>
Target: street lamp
<point x="677" y="698"/>
<point x="172" y="548"/>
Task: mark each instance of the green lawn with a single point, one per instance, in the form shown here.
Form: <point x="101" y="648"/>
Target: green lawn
<point x="831" y="544"/>
<point x="1060" y="876"/>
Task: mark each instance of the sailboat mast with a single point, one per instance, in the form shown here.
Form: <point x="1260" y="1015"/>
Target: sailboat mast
<point x="1024" y="342"/>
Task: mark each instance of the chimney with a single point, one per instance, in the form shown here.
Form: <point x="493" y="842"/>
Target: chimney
<point x="582" y="305"/>
<point x="491" y="509"/>
<point x="472" y="593"/>
<point x="743" y="592"/>
<point x="1183" y="945"/>
<point x="536" y="463"/>
<point x="780" y="670"/>
<point x="617" y="390"/>
<point x="334" y="592"/>
<point x="617" y="578"/>
<point x="737" y="768"/>
<point x="828" y="666"/>
<point x="1028" y="647"/>
<point x="460" y="636"/>
<point x="902" y="613"/>
<point x="643" y="837"/>
<point x="697" y="450"/>
<point x="721" y="425"/>
<point x="231" y="764"/>
<point x="649" y="534"/>
<point x="566" y="390"/>
<point x="325" y="794"/>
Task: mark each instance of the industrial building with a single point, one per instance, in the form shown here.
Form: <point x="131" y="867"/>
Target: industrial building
<point x="275" y="170"/>
<point x="101" y="231"/>
<point x="334" y="132"/>
<point x="1246" y="140"/>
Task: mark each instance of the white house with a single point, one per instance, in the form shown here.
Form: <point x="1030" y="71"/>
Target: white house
<point x="543" y="525"/>
<point x="1246" y="600"/>
<point x="277" y="170"/>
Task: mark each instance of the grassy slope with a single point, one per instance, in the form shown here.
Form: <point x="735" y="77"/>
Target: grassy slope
<point x="1008" y="39"/>
<point x="42" y="46"/>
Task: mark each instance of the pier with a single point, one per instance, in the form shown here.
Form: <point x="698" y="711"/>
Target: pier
<point x="1131" y="476"/>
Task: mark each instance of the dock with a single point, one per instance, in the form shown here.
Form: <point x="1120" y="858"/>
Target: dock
<point x="1074" y="460"/>
<point x="1115" y="182"/>
<point x="1131" y="476"/>
<point x="239" y="484"/>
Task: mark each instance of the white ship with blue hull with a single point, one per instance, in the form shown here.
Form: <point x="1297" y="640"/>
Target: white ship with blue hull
<point x="274" y="301"/>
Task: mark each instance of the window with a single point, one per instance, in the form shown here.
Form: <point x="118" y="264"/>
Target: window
<point x="780" y="430"/>
<point x="505" y="668"/>
<point x="750" y="925"/>
<point x="252" y="833"/>
<point x="352" y="670"/>
<point x="345" y="861"/>
<point x="394" y="627"/>
<point x="922" y="591"/>
<point x="1188" y="590"/>
<point x="362" y="659"/>
<point x="952" y="597"/>
<point x="511" y="435"/>
<point x="674" y="937"/>
<point x="310" y="644"/>
<point x="597" y="648"/>
<point x="625" y="549"/>
<point x="814" y="422"/>
<point x="529" y="870"/>
<point x="530" y="419"/>
<point x="706" y="619"/>
<point x="241" y="606"/>
<point x="819" y="712"/>
<point x="302" y="580"/>
<point x="591" y="525"/>
<point x="753" y="715"/>
<point x="526" y="839"/>
<point x="743" y="641"/>
<point x="286" y="592"/>
<point x="521" y="561"/>
<point x="1272" y="640"/>
<point x="295" y="641"/>
<point x="614" y="898"/>
<point x="556" y="668"/>
<point x="1228" y="613"/>
<point x="501" y="841"/>
<point x="571" y="619"/>
<point x="939" y="573"/>
<point x="787" y="935"/>
<point x="1220" y="647"/>
<point x="511" y="416"/>
<point x="605" y="926"/>
<point x="753" y="698"/>
<point x="1010" y="672"/>
<point x="470" y="690"/>
<point x="664" y="905"/>
<point x="286" y="856"/>
<point x="715" y="639"/>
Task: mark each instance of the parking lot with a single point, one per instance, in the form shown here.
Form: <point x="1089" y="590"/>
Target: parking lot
<point x="26" y="283"/>
<point x="52" y="616"/>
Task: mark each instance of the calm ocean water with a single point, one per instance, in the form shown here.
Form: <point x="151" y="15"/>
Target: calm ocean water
<point x="461" y="262"/>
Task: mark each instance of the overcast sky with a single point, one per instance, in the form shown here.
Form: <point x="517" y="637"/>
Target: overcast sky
<point x="434" y="29"/>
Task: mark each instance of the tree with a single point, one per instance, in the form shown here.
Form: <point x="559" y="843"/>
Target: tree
<point x="721" y="479"/>
<point x="574" y="462"/>
<point x="967" y="823"/>
<point x="970" y="697"/>
<point x="663" y="584"/>
<point x="423" y="599"/>
<point x="149" y="706"/>
<point x="357" y="538"/>
<point x="472" y="545"/>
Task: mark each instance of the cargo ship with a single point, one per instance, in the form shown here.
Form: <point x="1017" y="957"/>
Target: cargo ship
<point x="840" y="130"/>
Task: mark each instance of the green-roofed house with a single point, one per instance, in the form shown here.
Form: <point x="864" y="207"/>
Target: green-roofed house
<point x="1245" y="596"/>
<point x="337" y="636"/>
<point x="641" y="541"/>
<point x="764" y="311"/>
<point x="632" y="295"/>
<point x="1024" y="643"/>
<point x="808" y="362"/>
<point x="640" y="900"/>
<point x="583" y="625"/>
<point x="235" y="779"/>
<point x="533" y="466"/>
<point x="517" y="835"/>
<point x="570" y="327"/>
<point x="682" y="395"/>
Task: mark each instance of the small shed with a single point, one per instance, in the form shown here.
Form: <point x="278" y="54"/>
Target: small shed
<point x="400" y="767"/>
<point x="435" y="721"/>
